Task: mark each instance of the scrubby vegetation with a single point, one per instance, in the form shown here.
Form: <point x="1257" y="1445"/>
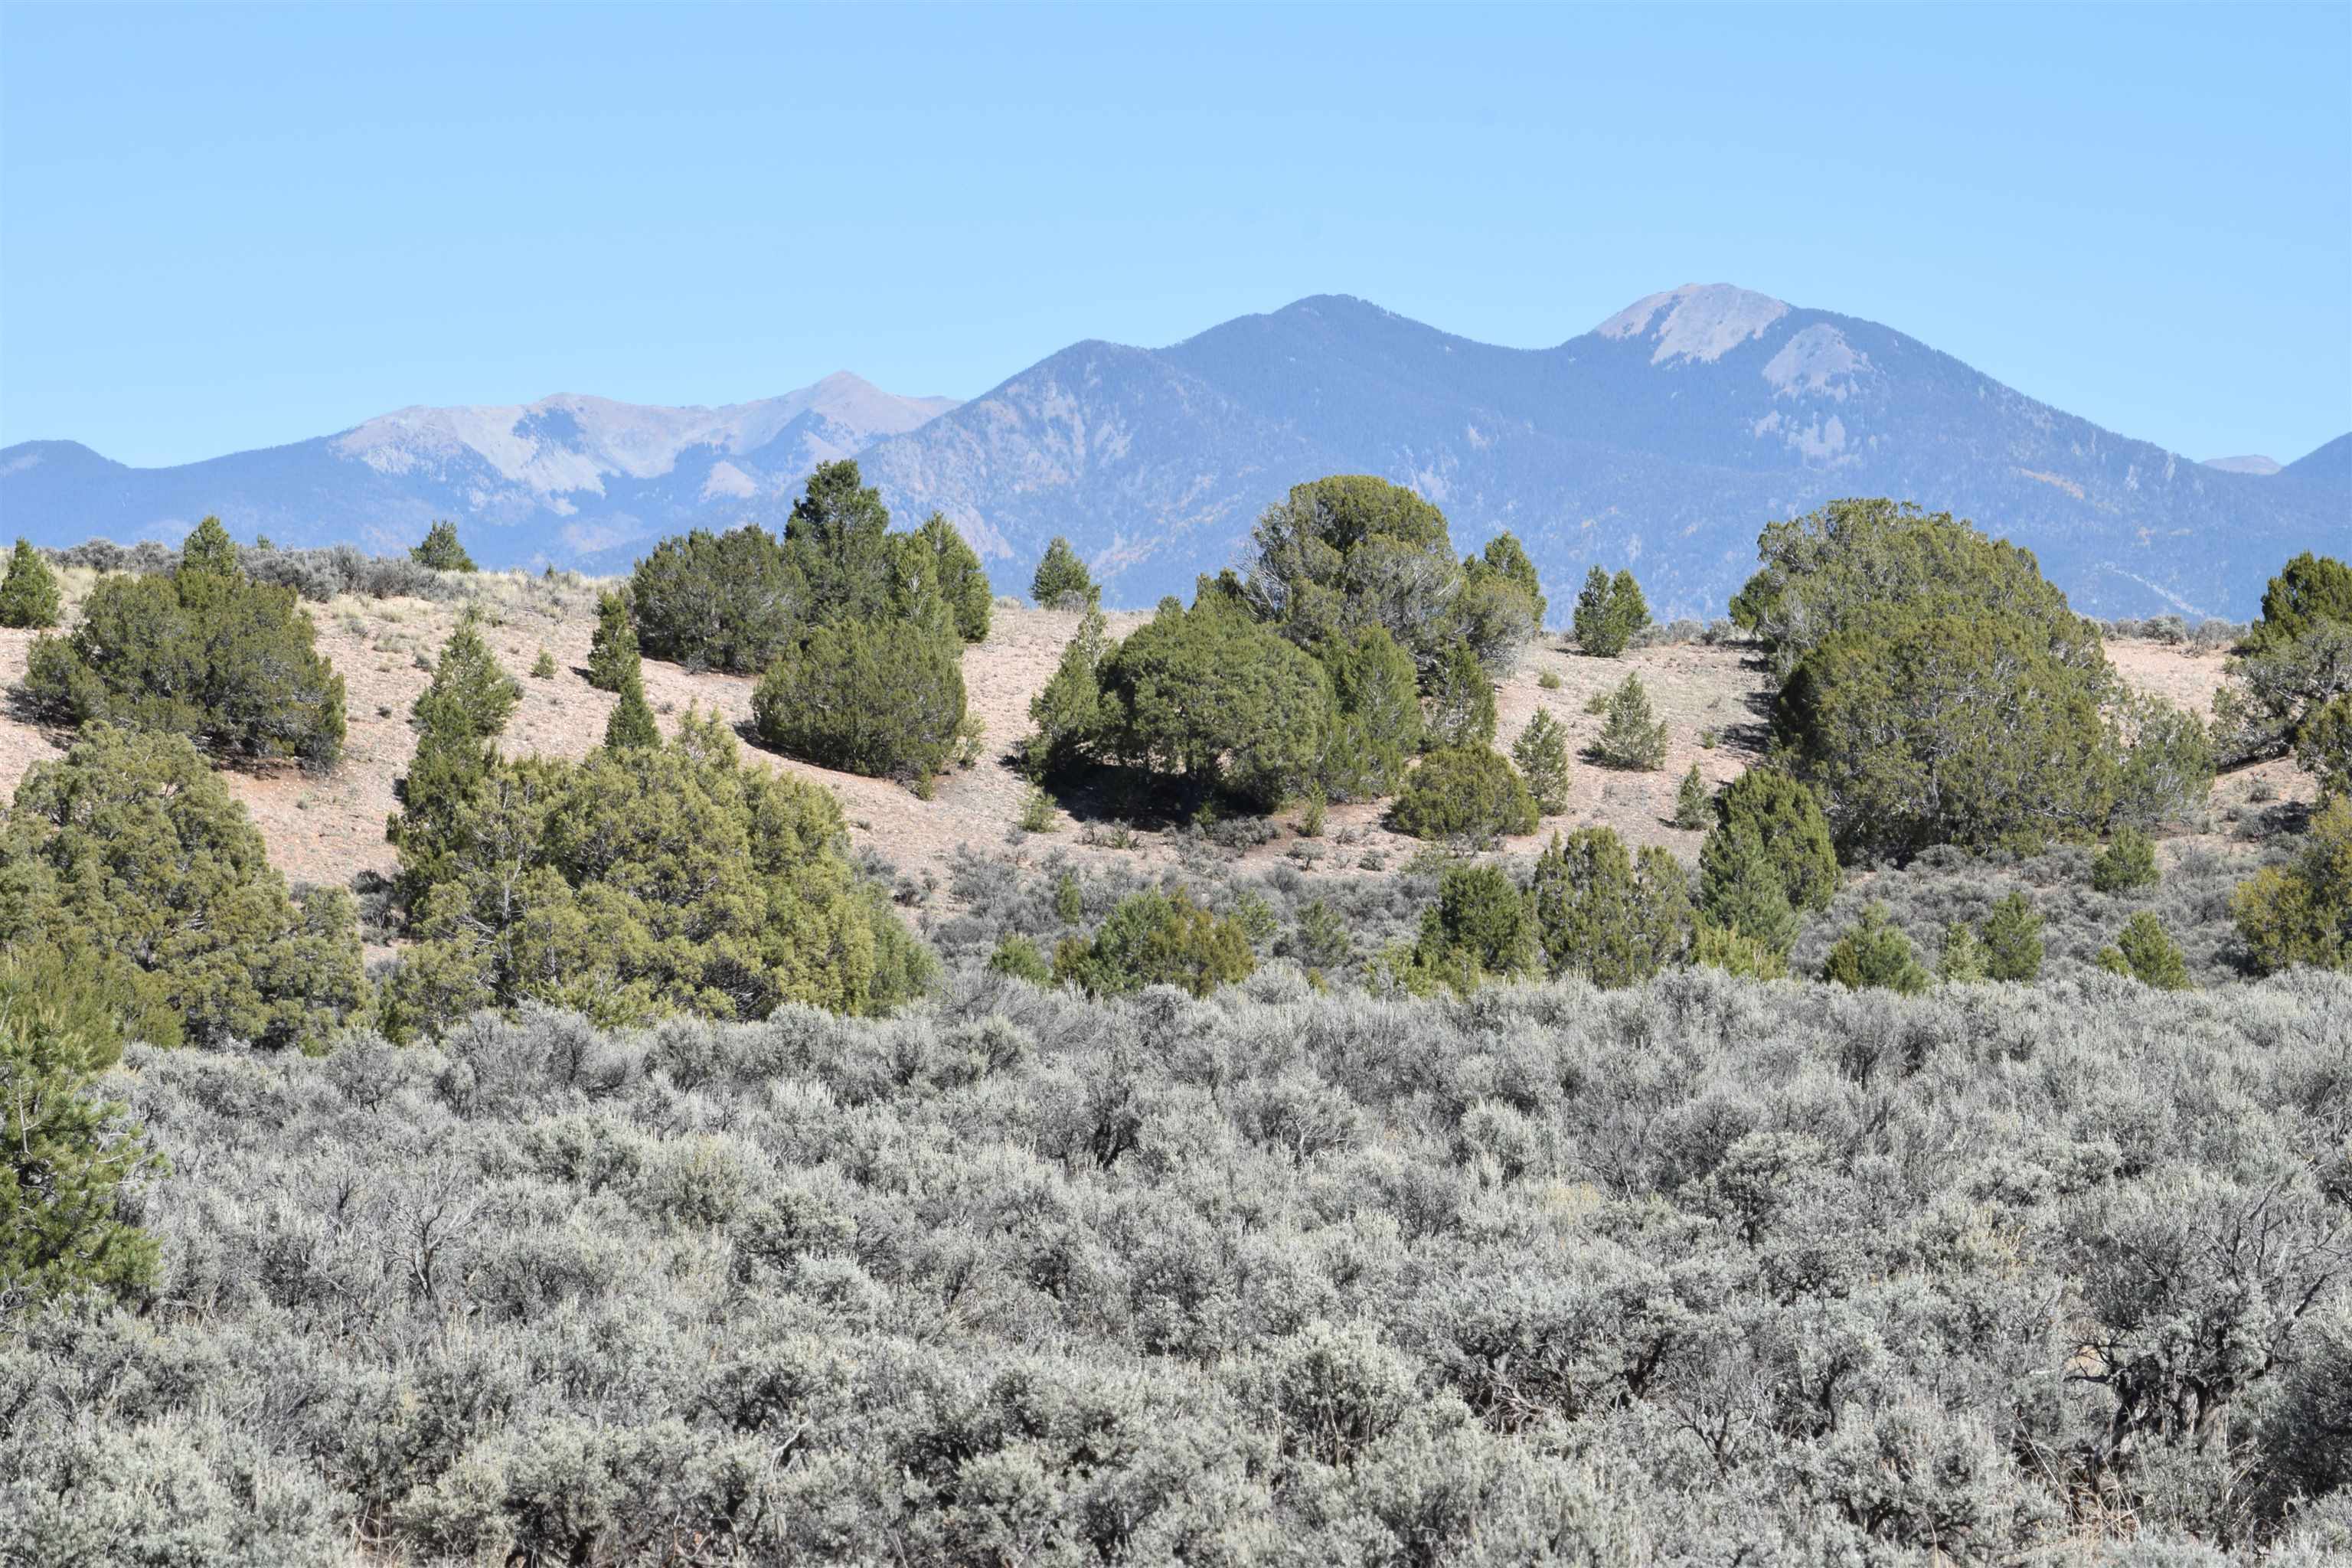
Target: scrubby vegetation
<point x="1691" y="1273"/>
<point x="204" y="652"/>
<point x="671" y="1196"/>
<point x="130" y="859"/>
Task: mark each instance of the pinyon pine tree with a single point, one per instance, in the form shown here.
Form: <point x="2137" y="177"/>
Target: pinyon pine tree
<point x="28" y="594"/>
<point x="2146" y="954"/>
<point x="612" y="657"/>
<point x="1541" y="752"/>
<point x="1632" y="736"/>
<point x="632" y="723"/>
<point x="439" y="549"/>
<point x="1061" y="581"/>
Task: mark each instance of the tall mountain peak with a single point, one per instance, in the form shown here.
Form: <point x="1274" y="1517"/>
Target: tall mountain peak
<point x="1700" y="321"/>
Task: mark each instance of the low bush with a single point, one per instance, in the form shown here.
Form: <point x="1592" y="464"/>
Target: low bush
<point x="205" y="653"/>
<point x="884" y="698"/>
<point x="1156" y="938"/>
<point x="1631" y="737"/>
<point x="439" y="550"/>
<point x="1463" y="795"/>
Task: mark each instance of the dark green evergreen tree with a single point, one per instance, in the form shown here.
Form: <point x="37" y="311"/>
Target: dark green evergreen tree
<point x="204" y="652"/>
<point x="28" y="594"/>
<point x="1541" y="753"/>
<point x="612" y="656"/>
<point x="956" y="571"/>
<point x="1460" y="710"/>
<point x="1061" y="581"/>
<point x="631" y="722"/>
<point x="1875" y="954"/>
<point x="1465" y="796"/>
<point x="1609" y="916"/>
<point x="439" y="549"/>
<point x="2012" y="940"/>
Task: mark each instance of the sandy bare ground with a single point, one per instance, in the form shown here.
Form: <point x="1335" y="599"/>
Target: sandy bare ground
<point x="329" y="828"/>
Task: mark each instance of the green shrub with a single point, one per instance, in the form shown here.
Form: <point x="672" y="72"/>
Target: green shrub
<point x="1465" y="796"/>
<point x="1376" y="724"/>
<point x="67" y="1155"/>
<point x="2145" y="953"/>
<point x="957" y="576"/>
<point x="837" y="543"/>
<point x="439" y="550"/>
<point x="457" y="717"/>
<point x="728" y="601"/>
<point x="1061" y="581"/>
<point x="613" y="656"/>
<point x="1613" y="918"/>
<point x="1874" y="953"/>
<point x="1067" y="716"/>
<point x="1744" y="888"/>
<point x="2301" y="913"/>
<point x="2164" y="762"/>
<point x="1460" y="709"/>
<point x="645" y="881"/>
<point x="2293" y="674"/>
<point x="1351" y="549"/>
<point x="204" y="652"/>
<point x="1631" y="737"/>
<point x="1208" y="696"/>
<point x="1549" y="680"/>
<point x="2012" y="940"/>
<point x="1766" y="813"/>
<point x="1505" y="559"/>
<point x="632" y="722"/>
<point x="28" y="594"/>
<point x="1609" y="612"/>
<point x="1037" y="811"/>
<point x="544" y="666"/>
<point x="1157" y="939"/>
<point x="135" y="848"/>
<point x="1736" y="952"/>
<point x="2127" y="864"/>
<point x="1962" y="961"/>
<point x="1017" y="957"/>
<point x="1694" y="805"/>
<point x="2309" y="591"/>
<point x="1311" y="810"/>
<point x="1541" y="754"/>
<point x="883" y="699"/>
<point x="1069" y="899"/>
<point x="1480" y="929"/>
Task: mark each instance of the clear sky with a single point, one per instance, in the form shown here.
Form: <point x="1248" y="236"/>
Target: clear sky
<point x="223" y="229"/>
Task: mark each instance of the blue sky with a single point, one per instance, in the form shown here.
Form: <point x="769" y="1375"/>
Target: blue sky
<point x="223" y="229"/>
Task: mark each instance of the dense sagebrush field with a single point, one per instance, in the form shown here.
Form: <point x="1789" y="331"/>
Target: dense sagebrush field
<point x="1710" y="1271"/>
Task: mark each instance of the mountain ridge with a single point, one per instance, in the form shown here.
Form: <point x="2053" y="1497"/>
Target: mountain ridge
<point x="1664" y="438"/>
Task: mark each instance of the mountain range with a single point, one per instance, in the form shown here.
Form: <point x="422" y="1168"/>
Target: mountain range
<point x="1662" y="439"/>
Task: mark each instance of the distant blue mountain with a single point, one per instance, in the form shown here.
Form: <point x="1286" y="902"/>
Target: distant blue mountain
<point x="2330" y="466"/>
<point x="1664" y="440"/>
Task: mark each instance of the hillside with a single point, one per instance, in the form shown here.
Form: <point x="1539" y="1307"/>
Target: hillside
<point x="1664" y="437"/>
<point x="330" y="830"/>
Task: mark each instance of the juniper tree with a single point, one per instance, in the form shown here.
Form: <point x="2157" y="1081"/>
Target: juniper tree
<point x="1541" y="753"/>
<point x="439" y="550"/>
<point x="1609" y="612"/>
<point x="1962" y="961"/>
<point x="1460" y="709"/>
<point x="1465" y="796"/>
<point x="66" y="1151"/>
<point x="28" y="593"/>
<point x="1479" y="929"/>
<point x="131" y="848"/>
<point x="1874" y="953"/>
<point x="1376" y="723"/>
<point x="204" y="652"/>
<point x="2301" y="913"/>
<point x="2127" y="864"/>
<point x="1153" y="938"/>
<point x="2012" y="940"/>
<point x="612" y="657"/>
<point x="957" y="573"/>
<point x="1765" y="813"/>
<point x="1694" y="806"/>
<point x="1061" y="581"/>
<point x="883" y="697"/>
<point x="632" y="722"/>
<point x="1613" y="918"/>
<point x="458" y="719"/>
<point x="1210" y="697"/>
<point x="1631" y="737"/>
<point x="2146" y="954"/>
<point x="1067" y="716"/>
